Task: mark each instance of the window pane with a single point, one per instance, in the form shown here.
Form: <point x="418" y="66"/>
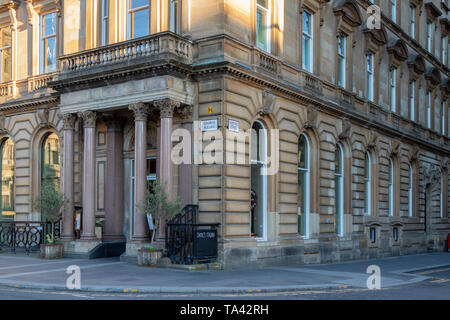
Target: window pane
<point x="50" y="171"/>
<point x="302" y="153"/>
<point x="140" y="23"/>
<point x="138" y="3"/>
<point x="306" y="23"/>
<point x="6" y="65"/>
<point x="261" y="29"/>
<point x="7" y="172"/>
<point x="49" y="27"/>
<point x="5" y="37"/>
<point x="263" y="3"/>
<point x="301" y="203"/>
<point x="50" y="55"/>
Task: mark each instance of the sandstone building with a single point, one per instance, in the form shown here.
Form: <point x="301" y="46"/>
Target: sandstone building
<point x="92" y="89"/>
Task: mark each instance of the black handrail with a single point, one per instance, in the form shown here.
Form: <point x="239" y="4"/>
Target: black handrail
<point x="182" y="242"/>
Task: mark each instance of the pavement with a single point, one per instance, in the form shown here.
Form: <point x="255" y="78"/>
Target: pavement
<point x="111" y="275"/>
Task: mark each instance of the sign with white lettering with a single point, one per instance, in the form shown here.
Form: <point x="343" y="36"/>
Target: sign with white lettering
<point x="233" y="125"/>
<point x="210" y="125"/>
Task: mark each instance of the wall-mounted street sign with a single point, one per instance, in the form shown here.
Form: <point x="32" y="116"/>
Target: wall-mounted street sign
<point x="210" y="125"/>
<point x="233" y="125"/>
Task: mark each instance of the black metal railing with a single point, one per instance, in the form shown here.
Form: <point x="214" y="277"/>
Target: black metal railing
<point x="189" y="242"/>
<point x="25" y="235"/>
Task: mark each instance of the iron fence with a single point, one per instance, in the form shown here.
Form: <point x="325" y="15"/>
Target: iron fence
<point x="25" y="235"/>
<point x="189" y="242"/>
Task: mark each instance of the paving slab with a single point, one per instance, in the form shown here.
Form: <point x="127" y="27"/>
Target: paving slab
<point x="113" y="275"/>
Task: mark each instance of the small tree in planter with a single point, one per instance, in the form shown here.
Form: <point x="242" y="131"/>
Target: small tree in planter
<point x="158" y="208"/>
<point x="50" y="203"/>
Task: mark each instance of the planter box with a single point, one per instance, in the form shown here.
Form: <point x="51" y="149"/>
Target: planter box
<point x="52" y="251"/>
<point x="149" y="258"/>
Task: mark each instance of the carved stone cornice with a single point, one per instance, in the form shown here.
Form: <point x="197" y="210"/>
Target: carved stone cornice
<point x="69" y="120"/>
<point x="11" y="6"/>
<point x="398" y="52"/>
<point x="141" y="111"/>
<point x="416" y="65"/>
<point x="375" y="38"/>
<point x="184" y="113"/>
<point x="349" y="15"/>
<point x="432" y="12"/>
<point x="166" y="107"/>
<point x="433" y="78"/>
<point x="89" y="118"/>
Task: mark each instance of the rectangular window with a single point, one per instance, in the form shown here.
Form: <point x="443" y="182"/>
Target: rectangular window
<point x="342" y="60"/>
<point x="412" y="30"/>
<point x="263" y="25"/>
<point x="443" y="116"/>
<point x="369" y="79"/>
<point x="48" y="42"/>
<point x="412" y="101"/>
<point x="105" y="16"/>
<point x="6" y="55"/>
<point x="173" y="15"/>
<point x="307" y="41"/>
<point x="138" y="18"/>
<point x="410" y="192"/>
<point x="429" y="110"/>
<point x="444" y="45"/>
<point x="393" y="89"/>
<point x="394" y="10"/>
<point x="429" y="36"/>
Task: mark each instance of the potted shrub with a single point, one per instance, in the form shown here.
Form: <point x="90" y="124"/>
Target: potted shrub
<point x="50" y="203"/>
<point x="158" y="208"/>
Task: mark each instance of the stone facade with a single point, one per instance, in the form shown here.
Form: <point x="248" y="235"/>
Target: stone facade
<point x="113" y="101"/>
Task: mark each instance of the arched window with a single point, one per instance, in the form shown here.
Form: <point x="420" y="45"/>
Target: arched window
<point x="391" y="187"/>
<point x="303" y="186"/>
<point x="7" y="172"/>
<point x="259" y="180"/>
<point x="339" y="190"/>
<point x="368" y="184"/>
<point x="410" y="192"/>
<point x="50" y="166"/>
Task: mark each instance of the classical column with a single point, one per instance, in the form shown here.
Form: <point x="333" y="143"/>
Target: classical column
<point x="140" y="229"/>
<point x="68" y="136"/>
<point x="185" y="179"/>
<point x="166" y="107"/>
<point x="89" y="123"/>
<point x="114" y="180"/>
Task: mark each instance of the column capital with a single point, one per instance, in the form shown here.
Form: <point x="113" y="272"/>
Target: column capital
<point x="166" y="107"/>
<point x="140" y="110"/>
<point x="89" y="118"/>
<point x="69" y="120"/>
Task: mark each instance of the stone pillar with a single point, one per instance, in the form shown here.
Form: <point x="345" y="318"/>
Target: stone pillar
<point x="89" y="123"/>
<point x="185" y="179"/>
<point x="140" y="229"/>
<point x="68" y="232"/>
<point x="166" y="107"/>
<point x="114" y="180"/>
